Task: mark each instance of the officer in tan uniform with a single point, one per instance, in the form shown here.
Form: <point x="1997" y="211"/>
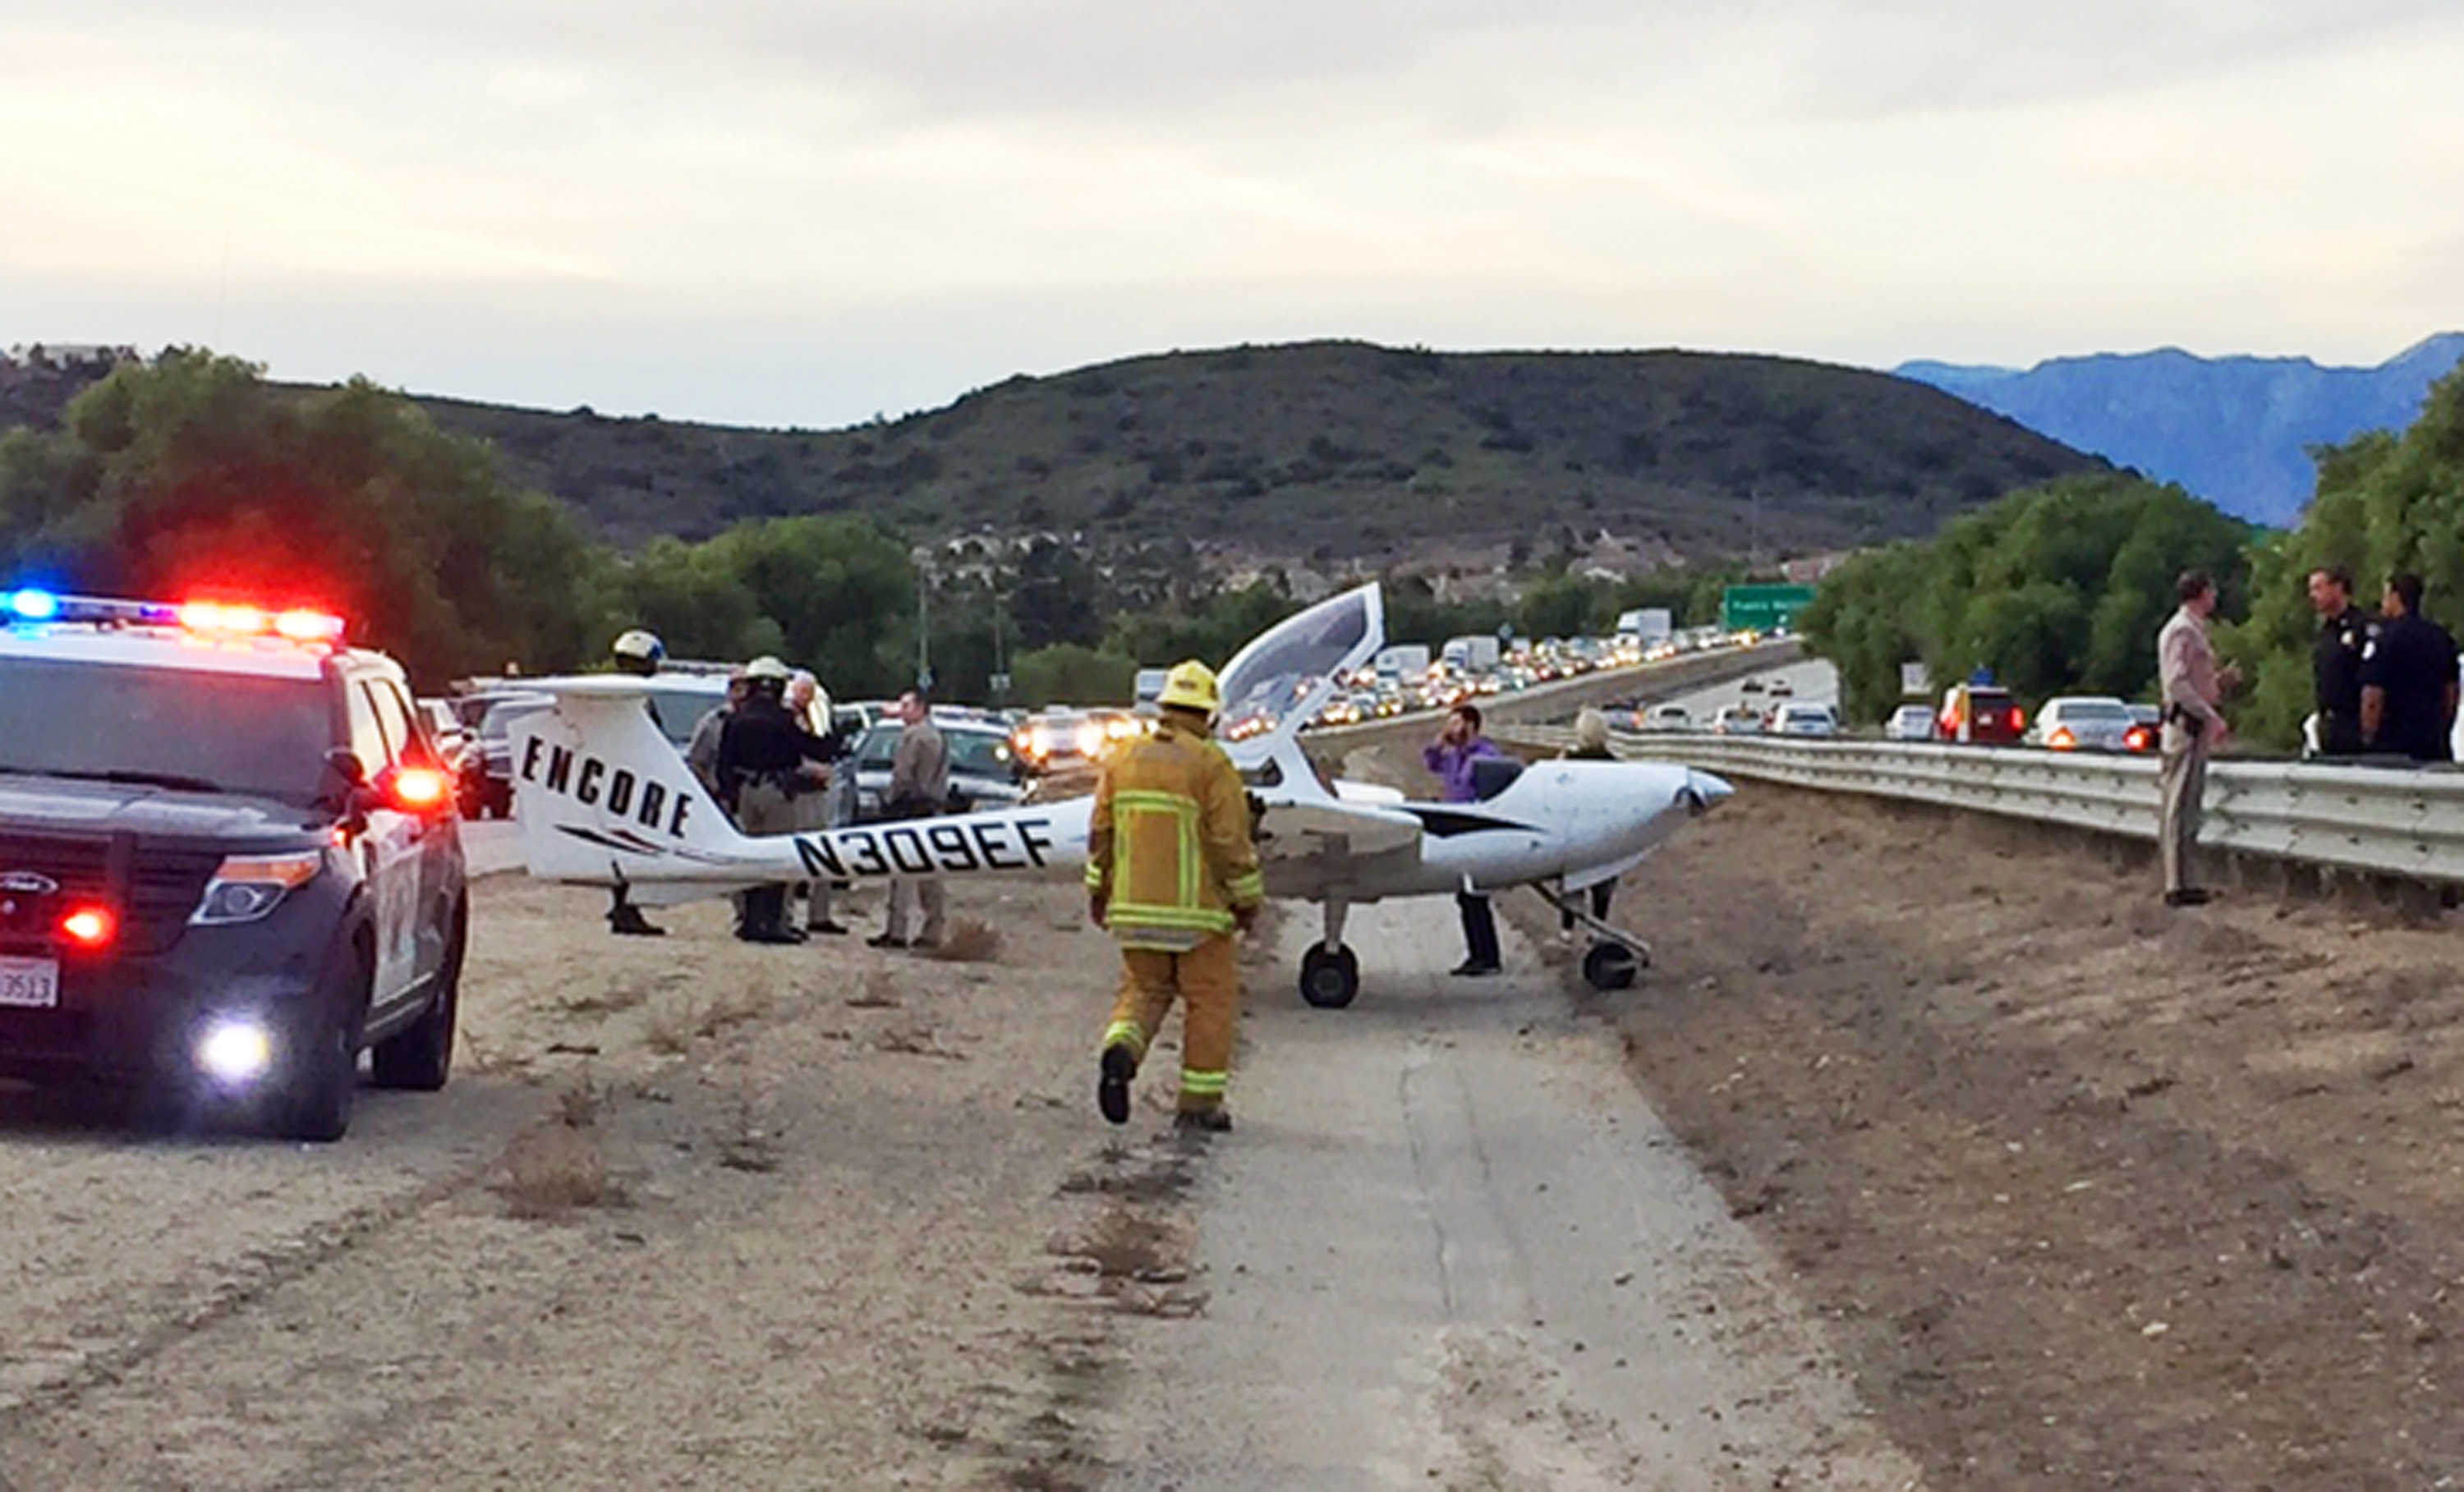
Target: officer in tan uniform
<point x="2194" y="728"/>
<point x="1170" y="870"/>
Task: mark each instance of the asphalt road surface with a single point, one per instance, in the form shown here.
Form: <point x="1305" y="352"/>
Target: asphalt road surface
<point x="1451" y="1246"/>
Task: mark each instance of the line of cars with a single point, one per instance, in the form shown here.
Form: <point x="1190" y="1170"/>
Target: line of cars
<point x="1406" y="680"/>
<point x="1969" y="714"/>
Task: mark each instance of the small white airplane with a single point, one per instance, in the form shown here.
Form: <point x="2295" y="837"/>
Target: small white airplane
<point x="603" y="798"/>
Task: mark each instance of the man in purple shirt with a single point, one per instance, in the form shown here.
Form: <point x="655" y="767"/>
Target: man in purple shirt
<point x="1451" y="756"/>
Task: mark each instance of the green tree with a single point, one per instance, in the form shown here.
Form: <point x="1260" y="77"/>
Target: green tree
<point x="2054" y="589"/>
<point x="2384" y="503"/>
<point x="1068" y="674"/>
<point x="192" y="475"/>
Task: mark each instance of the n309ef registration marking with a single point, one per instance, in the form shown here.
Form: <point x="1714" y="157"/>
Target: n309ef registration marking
<point x="30" y="983"/>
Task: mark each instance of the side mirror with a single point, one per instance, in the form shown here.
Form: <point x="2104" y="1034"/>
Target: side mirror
<point x="346" y="763"/>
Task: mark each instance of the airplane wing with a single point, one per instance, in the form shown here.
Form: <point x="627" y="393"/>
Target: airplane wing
<point x="1318" y="827"/>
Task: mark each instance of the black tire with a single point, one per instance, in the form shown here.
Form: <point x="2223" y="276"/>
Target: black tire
<point x="420" y="1058"/>
<point x="1611" y="966"/>
<point x="1329" y="980"/>
<point x="321" y="1077"/>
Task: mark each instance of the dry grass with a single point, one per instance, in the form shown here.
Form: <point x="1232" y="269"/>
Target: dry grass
<point x="880" y="992"/>
<point x="670" y="1031"/>
<point x="969" y="941"/>
<point x="735" y="1008"/>
<point x="577" y="1106"/>
<point x="556" y="1169"/>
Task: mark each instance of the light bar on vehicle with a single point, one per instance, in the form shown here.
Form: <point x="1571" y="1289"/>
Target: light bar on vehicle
<point x="217" y="619"/>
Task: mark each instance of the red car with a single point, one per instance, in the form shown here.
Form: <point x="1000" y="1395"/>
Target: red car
<point x="1980" y="715"/>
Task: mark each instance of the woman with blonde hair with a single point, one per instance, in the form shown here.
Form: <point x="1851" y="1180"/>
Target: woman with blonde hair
<point x="1590" y="744"/>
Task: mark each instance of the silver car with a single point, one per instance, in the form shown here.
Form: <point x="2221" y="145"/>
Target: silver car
<point x="984" y="767"/>
<point x="2082" y="722"/>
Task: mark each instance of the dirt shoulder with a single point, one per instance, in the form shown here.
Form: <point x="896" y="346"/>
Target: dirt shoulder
<point x="767" y="1218"/>
<point x="2099" y="1194"/>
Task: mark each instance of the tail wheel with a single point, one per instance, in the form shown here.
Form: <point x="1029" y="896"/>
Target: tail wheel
<point x="1611" y="966"/>
<point x="1329" y="980"/>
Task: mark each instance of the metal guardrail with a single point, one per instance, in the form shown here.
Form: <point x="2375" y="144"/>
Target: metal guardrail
<point x="2397" y="822"/>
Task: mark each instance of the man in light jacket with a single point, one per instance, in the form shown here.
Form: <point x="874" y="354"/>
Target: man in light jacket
<point x="2194" y="727"/>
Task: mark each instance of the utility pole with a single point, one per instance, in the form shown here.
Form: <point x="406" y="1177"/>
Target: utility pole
<point x="923" y="626"/>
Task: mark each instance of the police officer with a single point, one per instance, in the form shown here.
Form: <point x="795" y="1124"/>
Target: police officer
<point x="2409" y="685"/>
<point x="639" y="652"/>
<point x="2345" y="634"/>
<point x="762" y="750"/>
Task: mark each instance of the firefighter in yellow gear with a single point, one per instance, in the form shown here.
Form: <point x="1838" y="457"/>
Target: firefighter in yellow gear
<point x="1171" y="871"/>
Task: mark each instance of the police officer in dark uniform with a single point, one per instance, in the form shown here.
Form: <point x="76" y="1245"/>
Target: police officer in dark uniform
<point x="2409" y="683"/>
<point x="761" y="755"/>
<point x="2345" y="634"/>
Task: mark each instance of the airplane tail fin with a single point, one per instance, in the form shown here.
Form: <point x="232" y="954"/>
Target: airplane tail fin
<point x="603" y="798"/>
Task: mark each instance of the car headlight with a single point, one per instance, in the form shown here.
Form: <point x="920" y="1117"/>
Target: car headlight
<point x="248" y="886"/>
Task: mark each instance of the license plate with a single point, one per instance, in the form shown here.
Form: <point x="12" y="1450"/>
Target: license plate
<point x="30" y="983"/>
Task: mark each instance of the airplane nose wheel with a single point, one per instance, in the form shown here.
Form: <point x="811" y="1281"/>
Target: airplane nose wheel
<point x="1329" y="980"/>
<point x="1612" y="966"/>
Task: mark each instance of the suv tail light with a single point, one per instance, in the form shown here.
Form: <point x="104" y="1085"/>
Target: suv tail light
<point x="90" y="926"/>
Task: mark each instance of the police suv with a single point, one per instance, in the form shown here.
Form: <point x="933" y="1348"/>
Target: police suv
<point x="229" y="859"/>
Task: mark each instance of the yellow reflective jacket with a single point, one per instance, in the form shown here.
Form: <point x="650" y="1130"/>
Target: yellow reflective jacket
<point x="1168" y="849"/>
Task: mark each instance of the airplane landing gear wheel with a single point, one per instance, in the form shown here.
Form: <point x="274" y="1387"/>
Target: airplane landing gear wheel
<point x="1329" y="980"/>
<point x="1612" y="966"/>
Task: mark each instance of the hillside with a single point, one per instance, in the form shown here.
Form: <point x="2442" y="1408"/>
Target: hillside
<point x="2235" y="431"/>
<point x="1335" y="451"/>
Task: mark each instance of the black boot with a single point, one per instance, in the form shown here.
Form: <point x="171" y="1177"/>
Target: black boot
<point x="627" y="920"/>
<point x="1119" y="1066"/>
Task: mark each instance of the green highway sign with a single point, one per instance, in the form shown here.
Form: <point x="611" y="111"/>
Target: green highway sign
<point x="1762" y="608"/>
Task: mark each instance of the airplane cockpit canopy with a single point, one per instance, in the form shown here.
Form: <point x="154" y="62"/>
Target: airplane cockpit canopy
<point x="1491" y="776"/>
<point x="1288" y="673"/>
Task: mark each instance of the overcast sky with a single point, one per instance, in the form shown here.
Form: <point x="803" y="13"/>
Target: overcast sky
<point x="808" y="212"/>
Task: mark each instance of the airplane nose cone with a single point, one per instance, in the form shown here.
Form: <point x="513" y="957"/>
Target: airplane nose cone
<point x="1706" y="790"/>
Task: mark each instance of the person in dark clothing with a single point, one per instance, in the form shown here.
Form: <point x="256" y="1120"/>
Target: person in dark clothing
<point x="2409" y="683"/>
<point x="2345" y="634"/>
<point x="762" y="751"/>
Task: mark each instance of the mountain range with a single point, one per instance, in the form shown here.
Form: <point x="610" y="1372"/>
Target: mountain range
<point x="2237" y="430"/>
<point x="1331" y="454"/>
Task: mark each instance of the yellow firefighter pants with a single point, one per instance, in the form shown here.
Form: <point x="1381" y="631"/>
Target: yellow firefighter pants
<point x="1207" y="980"/>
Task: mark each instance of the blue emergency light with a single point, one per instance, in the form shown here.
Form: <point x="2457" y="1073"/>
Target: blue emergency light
<point x="212" y="619"/>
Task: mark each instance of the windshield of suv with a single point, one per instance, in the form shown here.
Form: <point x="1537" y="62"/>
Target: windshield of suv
<point x="230" y="732"/>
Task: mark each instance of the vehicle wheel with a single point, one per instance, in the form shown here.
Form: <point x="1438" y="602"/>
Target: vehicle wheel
<point x="422" y="1057"/>
<point x="322" y="1068"/>
<point x="1611" y="966"/>
<point x="1329" y="980"/>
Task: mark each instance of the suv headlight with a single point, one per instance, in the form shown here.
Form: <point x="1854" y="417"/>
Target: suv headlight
<point x="246" y="886"/>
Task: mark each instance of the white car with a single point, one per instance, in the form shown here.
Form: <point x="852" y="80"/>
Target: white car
<point x="1909" y="723"/>
<point x="2082" y="722"/>
<point x="1804" y="719"/>
<point x="1738" y="720"/>
<point x="1665" y="717"/>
